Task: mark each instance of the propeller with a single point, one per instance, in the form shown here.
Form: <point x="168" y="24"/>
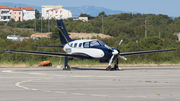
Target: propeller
<point x="120" y="43"/>
<point x="115" y="52"/>
<point x="108" y="47"/>
<point x="118" y="47"/>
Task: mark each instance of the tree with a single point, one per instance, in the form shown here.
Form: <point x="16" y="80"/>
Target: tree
<point x="86" y="15"/>
<point x="102" y="14"/>
<point x="11" y="23"/>
<point x="1" y="23"/>
<point x="37" y="14"/>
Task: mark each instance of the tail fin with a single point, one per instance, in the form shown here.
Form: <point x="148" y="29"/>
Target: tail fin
<point x="64" y="37"/>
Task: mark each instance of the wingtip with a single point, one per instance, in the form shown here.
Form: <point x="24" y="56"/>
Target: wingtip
<point x="35" y="45"/>
<point x="6" y="50"/>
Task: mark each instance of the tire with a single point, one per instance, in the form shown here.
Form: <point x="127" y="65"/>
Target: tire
<point x="50" y="64"/>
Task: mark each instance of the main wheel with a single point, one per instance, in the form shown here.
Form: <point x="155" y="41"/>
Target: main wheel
<point x="50" y="64"/>
<point x="109" y="68"/>
<point x="68" y="67"/>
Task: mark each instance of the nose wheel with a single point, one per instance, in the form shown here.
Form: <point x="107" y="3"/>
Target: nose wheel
<point x="109" y="68"/>
<point x="115" y="54"/>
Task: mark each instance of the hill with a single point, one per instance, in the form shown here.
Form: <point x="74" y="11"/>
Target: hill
<point x="76" y="11"/>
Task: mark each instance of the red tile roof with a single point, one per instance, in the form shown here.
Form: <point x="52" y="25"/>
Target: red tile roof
<point x="15" y="8"/>
<point x="3" y="6"/>
<point x="28" y="8"/>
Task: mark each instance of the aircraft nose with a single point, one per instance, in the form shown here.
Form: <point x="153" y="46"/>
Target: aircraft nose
<point x="115" y="52"/>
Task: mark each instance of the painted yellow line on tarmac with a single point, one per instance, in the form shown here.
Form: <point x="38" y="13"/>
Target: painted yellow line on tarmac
<point x="6" y="71"/>
<point x="18" y="85"/>
<point x="34" y="89"/>
<point x="39" y="73"/>
<point x="99" y="95"/>
<point x="34" y="73"/>
<point x="60" y="92"/>
<point x="47" y="91"/>
<point x="81" y="76"/>
<point x="136" y="96"/>
<point x="107" y="76"/>
<point x="26" y="88"/>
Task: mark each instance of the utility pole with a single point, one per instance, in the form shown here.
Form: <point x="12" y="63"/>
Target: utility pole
<point x="102" y="27"/>
<point x="41" y="26"/>
<point x="14" y="35"/>
<point x="145" y="28"/>
<point x="48" y="25"/>
<point x="35" y="27"/>
<point x="159" y="35"/>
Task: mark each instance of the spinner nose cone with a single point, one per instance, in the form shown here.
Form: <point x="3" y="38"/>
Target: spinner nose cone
<point x="115" y="52"/>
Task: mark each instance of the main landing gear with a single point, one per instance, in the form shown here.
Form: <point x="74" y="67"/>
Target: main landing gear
<point x="66" y="65"/>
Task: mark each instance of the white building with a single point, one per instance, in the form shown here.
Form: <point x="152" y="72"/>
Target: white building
<point x="57" y="12"/>
<point x="4" y="13"/>
<point x="28" y="13"/>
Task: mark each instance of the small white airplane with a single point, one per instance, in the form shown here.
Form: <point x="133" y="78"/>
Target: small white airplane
<point x="86" y="49"/>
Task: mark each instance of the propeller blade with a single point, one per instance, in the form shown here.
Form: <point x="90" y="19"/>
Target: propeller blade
<point x="120" y="43"/>
<point x="108" y="47"/>
<point x="122" y="57"/>
<point x="110" y="61"/>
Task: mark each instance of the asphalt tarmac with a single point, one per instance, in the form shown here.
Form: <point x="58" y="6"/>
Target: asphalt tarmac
<point x="90" y="84"/>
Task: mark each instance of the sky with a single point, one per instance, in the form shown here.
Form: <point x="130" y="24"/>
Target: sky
<point x="167" y="7"/>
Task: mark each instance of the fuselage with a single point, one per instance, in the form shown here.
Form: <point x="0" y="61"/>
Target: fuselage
<point x="95" y="49"/>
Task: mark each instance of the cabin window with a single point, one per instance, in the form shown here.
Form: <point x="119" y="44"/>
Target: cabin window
<point x="80" y="44"/>
<point x="94" y="43"/>
<point x="71" y="44"/>
<point x="75" y="45"/>
<point x="86" y="44"/>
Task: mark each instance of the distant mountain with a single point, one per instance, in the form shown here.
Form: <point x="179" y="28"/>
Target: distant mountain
<point x="92" y="10"/>
<point x="76" y="11"/>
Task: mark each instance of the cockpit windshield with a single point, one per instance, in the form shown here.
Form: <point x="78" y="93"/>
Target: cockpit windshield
<point x="94" y="43"/>
<point x="102" y="43"/>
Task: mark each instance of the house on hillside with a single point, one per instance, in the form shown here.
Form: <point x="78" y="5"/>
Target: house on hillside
<point x="28" y="13"/>
<point x="16" y="13"/>
<point x="4" y="13"/>
<point x="57" y="12"/>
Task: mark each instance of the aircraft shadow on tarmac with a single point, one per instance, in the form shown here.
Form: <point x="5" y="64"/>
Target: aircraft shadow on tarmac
<point x="90" y="68"/>
<point x="103" y="69"/>
<point x="149" y="68"/>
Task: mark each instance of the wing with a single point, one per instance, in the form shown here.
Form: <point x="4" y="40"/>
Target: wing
<point x="145" y="52"/>
<point x="55" y="46"/>
<point x="50" y="54"/>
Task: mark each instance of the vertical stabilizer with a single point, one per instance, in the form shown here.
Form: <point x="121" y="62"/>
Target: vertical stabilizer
<point x="64" y="37"/>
